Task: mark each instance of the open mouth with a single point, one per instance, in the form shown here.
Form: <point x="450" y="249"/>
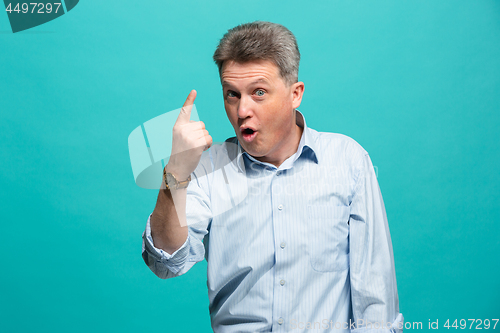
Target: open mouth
<point x="248" y="134"/>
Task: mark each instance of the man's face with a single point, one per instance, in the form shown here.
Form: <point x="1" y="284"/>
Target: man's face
<point x="261" y="108"/>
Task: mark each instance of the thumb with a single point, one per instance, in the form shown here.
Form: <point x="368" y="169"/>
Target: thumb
<point x="185" y="113"/>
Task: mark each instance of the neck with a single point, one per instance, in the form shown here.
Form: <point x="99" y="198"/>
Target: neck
<point x="291" y="144"/>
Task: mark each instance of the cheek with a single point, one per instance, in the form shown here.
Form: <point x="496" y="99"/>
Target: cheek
<point x="230" y="114"/>
<point x="287" y="104"/>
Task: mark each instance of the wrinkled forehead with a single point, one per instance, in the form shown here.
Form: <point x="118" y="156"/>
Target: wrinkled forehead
<point x="256" y="71"/>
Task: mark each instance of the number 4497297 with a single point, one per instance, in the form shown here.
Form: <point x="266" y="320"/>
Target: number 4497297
<point x="34" y="8"/>
<point x="477" y="324"/>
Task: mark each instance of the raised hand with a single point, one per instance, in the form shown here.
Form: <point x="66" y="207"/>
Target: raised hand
<point x="189" y="140"/>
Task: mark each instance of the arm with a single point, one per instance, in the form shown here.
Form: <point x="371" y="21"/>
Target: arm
<point x="373" y="278"/>
<point x="166" y="238"/>
<point x="198" y="217"/>
<point x="168" y="221"/>
<point x="189" y="140"/>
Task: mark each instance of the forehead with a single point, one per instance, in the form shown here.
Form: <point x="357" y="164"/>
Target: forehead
<point x="251" y="71"/>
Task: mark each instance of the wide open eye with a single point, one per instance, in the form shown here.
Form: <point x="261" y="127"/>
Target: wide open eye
<point x="260" y="92"/>
<point x="231" y="94"/>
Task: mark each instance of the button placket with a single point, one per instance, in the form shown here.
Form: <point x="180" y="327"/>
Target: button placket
<point x="279" y="221"/>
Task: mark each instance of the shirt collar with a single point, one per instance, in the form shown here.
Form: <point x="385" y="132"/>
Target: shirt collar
<point x="307" y="147"/>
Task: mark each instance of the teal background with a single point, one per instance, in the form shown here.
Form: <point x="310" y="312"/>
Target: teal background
<point x="415" y="82"/>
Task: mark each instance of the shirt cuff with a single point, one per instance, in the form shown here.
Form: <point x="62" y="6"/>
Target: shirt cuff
<point x="173" y="262"/>
<point x="376" y="327"/>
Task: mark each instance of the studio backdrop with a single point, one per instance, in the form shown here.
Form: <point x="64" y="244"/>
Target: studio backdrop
<point x="415" y="82"/>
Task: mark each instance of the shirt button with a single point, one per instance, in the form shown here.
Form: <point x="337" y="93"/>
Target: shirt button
<point x="278" y="173"/>
<point x="282" y="282"/>
<point x="283" y="244"/>
<point x="280" y="321"/>
<point x="280" y="207"/>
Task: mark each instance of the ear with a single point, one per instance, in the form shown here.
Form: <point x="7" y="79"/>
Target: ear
<point x="297" y="90"/>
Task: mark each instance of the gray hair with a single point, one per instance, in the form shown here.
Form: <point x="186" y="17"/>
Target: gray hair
<point x="261" y="41"/>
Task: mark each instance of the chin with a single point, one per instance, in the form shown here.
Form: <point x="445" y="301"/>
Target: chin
<point x="251" y="149"/>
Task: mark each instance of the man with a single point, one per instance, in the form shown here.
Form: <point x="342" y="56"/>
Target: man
<point x="290" y="220"/>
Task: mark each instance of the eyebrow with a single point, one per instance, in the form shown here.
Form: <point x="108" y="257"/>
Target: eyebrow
<point x="225" y="83"/>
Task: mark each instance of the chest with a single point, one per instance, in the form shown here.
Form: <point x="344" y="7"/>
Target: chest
<point x="304" y="208"/>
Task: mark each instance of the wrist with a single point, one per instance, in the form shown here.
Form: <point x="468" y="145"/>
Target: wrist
<point x="177" y="172"/>
<point x="172" y="181"/>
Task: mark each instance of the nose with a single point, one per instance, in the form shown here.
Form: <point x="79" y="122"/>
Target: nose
<point x="244" y="107"/>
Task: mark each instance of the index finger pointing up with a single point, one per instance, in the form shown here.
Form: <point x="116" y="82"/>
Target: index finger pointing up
<point x="185" y="113"/>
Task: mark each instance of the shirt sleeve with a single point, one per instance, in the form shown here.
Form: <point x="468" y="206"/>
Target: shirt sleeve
<point x="374" y="292"/>
<point x="163" y="264"/>
<point x="198" y="217"/>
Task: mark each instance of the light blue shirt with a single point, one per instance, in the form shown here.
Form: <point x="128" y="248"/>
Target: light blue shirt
<point x="300" y="248"/>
